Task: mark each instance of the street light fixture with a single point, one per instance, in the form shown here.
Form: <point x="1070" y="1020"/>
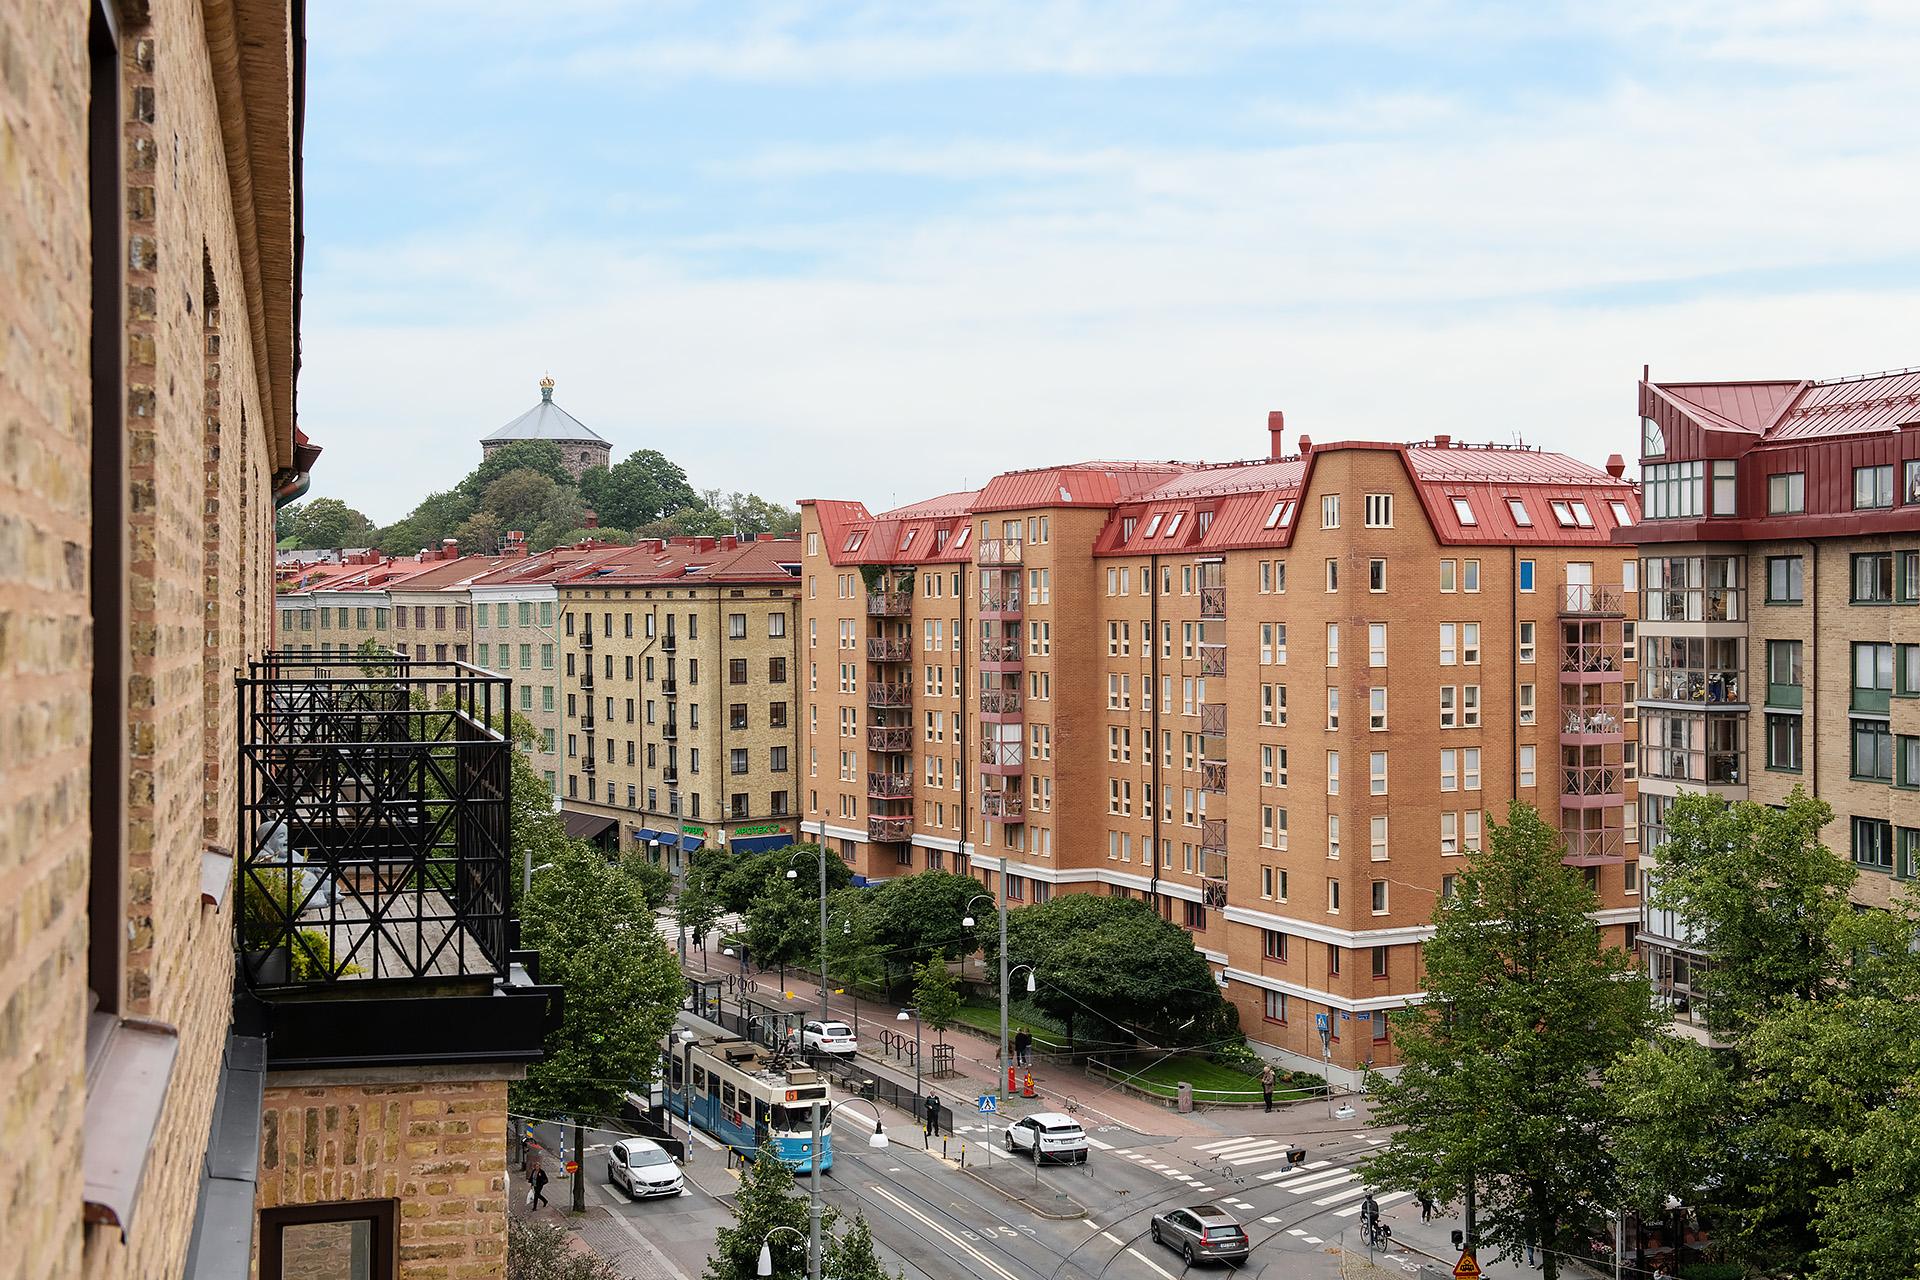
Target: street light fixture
<point x="793" y="874"/>
<point x="915" y="1015"/>
<point x="765" y="1267"/>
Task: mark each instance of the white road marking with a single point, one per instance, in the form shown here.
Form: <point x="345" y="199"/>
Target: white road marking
<point x="1269" y="1219"/>
<point x="1098" y="1145"/>
<point x="1199" y="1188"/>
<point x="1312" y="1240"/>
<point x="1150" y="1262"/>
<point x="1230" y="1144"/>
<point x="1302" y="1169"/>
<point x="1292" y="1231"/>
<point x="1378" y="1142"/>
<point x="1320" y="1182"/>
<point x="1382" y="1200"/>
<point x="957" y="1242"/>
<point x="1116" y="1239"/>
<point x="1344" y="1193"/>
<point x="1260" y="1159"/>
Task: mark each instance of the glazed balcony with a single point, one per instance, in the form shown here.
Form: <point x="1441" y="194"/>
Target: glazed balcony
<point x="992" y="552"/>
<point x="889" y="738"/>
<point x="889" y="786"/>
<point x="1588" y="600"/>
<point x="889" y="604"/>
<point x="1003" y="806"/>
<point x="889" y="830"/>
<point x="1000" y="602"/>
<point x="1000" y="702"/>
<point x="889" y="649"/>
<point x="885" y="695"/>
<point x="1213" y="834"/>
<point x="1213" y="660"/>
<point x="1002" y="757"/>
<point x="1213" y="776"/>
<point x="1213" y="719"/>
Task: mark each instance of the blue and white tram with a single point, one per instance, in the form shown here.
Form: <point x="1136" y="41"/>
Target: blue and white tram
<point x="747" y="1096"/>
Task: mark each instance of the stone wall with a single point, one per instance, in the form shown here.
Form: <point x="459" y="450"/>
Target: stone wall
<point x="437" y="1145"/>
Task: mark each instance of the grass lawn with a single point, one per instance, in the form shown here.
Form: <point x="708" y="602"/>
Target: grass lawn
<point x="1211" y="1081"/>
<point x="986" y="1017"/>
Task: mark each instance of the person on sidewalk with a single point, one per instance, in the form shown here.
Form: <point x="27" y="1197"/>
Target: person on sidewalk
<point x="1266" y="1085"/>
<point x="1426" y="1206"/>
<point x="933" y="1116"/>
<point x="1023" y="1047"/>
<point x="539" y="1185"/>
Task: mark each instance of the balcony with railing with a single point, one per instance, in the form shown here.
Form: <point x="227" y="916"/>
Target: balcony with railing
<point x="375" y="794"/>
<point x="997" y="551"/>
<point x="1002" y="755"/>
<point x="586" y="676"/>
<point x="1000" y="601"/>
<point x="1589" y="785"/>
<point x="1594" y="837"/>
<point x="889" y="604"/>
<point x="670" y="731"/>
<point x="1592" y="715"/>
<point x="670" y="775"/>
<point x="889" y="738"/>
<point x="1003" y="806"/>
<point x="586" y="723"/>
<point x="889" y="829"/>
<point x="587" y="764"/>
<point x="1213" y="719"/>
<point x="1213" y="863"/>
<point x="669" y="643"/>
<point x="1213" y="589"/>
<point x="1213" y="776"/>
<point x="1000" y="648"/>
<point x="889" y="649"/>
<point x="586" y="637"/>
<point x="1586" y="599"/>
<point x="1213" y="834"/>
<point x="1213" y="659"/>
<point x="1000" y="704"/>
<point x="882" y="693"/>
<point x="669" y="688"/>
<point x="889" y="786"/>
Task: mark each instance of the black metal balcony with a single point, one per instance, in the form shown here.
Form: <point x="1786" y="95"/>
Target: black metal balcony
<point x="669" y="688"/>
<point x="670" y="731"/>
<point x="669" y="643"/>
<point x="670" y="775"/>
<point x="586" y="637"/>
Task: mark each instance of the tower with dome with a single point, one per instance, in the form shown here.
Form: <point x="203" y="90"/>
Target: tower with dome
<point x="580" y="447"/>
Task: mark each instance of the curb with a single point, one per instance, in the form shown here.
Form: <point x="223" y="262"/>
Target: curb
<point x="1027" y="1204"/>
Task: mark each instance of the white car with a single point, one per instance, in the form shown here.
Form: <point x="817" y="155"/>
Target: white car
<point x="1048" y="1135"/>
<point x="642" y="1168"/>
<point x="828" y="1037"/>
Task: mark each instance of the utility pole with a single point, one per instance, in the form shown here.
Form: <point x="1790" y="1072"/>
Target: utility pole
<point x="1000" y="1079"/>
<point x="813" y="1208"/>
<point x="1471" y="1245"/>
<point x="579" y="1166"/>
<point x="823" y="930"/>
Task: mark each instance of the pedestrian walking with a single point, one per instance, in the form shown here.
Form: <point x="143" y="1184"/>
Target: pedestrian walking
<point x="1266" y="1085"/>
<point x="1023" y="1047"/>
<point x="1426" y="1206"/>
<point x="933" y="1116"/>
<point x="539" y="1196"/>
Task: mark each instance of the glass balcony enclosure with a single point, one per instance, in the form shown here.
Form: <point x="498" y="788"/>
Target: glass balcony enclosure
<point x="1693" y="669"/>
<point x="1693" y="589"/>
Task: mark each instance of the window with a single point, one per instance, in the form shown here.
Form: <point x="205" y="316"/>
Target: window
<point x="1470" y="769"/>
<point x="1622" y="515"/>
<point x="1653" y="441"/>
<point x="1449" y="575"/>
<point x="1526" y="575"/>
<point x="1377" y="838"/>
<point x="1872" y="487"/>
<point x="736" y="626"/>
<point x="1280" y="516"/>
<point x="1872" y="751"/>
<point x="1376" y="644"/>
<point x="1469" y="706"/>
<point x="1725" y="488"/>
<point x="1527" y="765"/>
<point x="1376" y="575"/>
<point x="1333" y="773"/>
<point x="736" y="670"/>
<point x="1333" y="907"/>
<point x="1785" y="584"/>
<point x="1450" y="769"/>
<point x="1449" y="706"/>
<point x="1783" y="742"/>
<point x="1449" y="644"/>
<point x="1379" y="899"/>
<point x="1275" y="1005"/>
<point x="1330" y="511"/>
<point x="1873" y="843"/>
<point x="1518" y="510"/>
<point x="1873" y="578"/>
<point x="1787" y="493"/>
<point x="1377" y="708"/>
<point x="1784" y="675"/>
<point x="1333" y="574"/>
<point x="1526" y="641"/>
<point x="1872" y="677"/>
<point x="354" y="1238"/>
<point x="1669" y="491"/>
<point x="1333" y="644"/>
<point x="1469" y="575"/>
<point x="1333" y="708"/>
<point x="1524" y="705"/>
<point x="1463" y="511"/>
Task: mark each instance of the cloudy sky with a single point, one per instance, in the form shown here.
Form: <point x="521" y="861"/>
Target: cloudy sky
<point x="879" y="250"/>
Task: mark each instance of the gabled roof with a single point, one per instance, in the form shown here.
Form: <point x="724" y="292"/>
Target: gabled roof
<point x="693" y="561"/>
<point x="1079" y="484"/>
<point x="1798" y="411"/>
<point x="546" y="421"/>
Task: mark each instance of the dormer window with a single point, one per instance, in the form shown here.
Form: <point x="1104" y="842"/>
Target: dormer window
<point x="1463" y="511"/>
<point x="1518" y="510"/>
<point x="1202" y="521"/>
<point x="1653" y="441"/>
<point x="1127" y="524"/>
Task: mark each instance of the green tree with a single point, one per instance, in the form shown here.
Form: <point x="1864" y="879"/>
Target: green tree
<point x="851" y="1255"/>
<point x="644" y="486"/>
<point x="324" y="524"/>
<point x="917" y="918"/>
<point x="696" y="907"/>
<point x="853" y="959"/>
<point x="520" y="499"/>
<point x="765" y="1200"/>
<point x="433" y="520"/>
<point x="783" y="927"/>
<point x="596" y="940"/>
<point x="936" y="995"/>
<point x="1499" y="1068"/>
<point x="654" y="881"/>
<point x="537" y="1251"/>
<point x="1164" y="993"/>
<point x="542" y="456"/>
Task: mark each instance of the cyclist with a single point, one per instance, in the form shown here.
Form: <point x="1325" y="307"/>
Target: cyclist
<point x="1369" y="1218"/>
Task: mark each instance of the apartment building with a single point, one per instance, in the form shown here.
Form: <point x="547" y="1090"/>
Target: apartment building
<point x="1780" y="616"/>
<point x="516" y="632"/>
<point x="679" y="696"/>
<point x="1279" y="699"/>
<point x="197" y="1083"/>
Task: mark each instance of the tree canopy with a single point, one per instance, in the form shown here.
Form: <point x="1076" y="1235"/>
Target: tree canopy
<point x="323" y="524"/>
<point x="1498" y="1083"/>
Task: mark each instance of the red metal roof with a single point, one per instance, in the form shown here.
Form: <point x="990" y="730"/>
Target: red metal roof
<point x="1852" y="406"/>
<point x="691" y="560"/>
<point x="1080" y="484"/>
<point x="1731" y="406"/>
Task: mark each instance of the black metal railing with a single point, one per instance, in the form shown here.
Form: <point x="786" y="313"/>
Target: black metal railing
<point x="374" y="794"/>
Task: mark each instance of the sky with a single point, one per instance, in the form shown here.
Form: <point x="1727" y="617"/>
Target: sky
<point x="880" y="251"/>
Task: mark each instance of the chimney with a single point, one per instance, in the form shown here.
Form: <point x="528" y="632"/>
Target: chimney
<point x="450" y="548"/>
<point x="1441" y="441"/>
<point x="1306" y="445"/>
<point x="1276" y="427"/>
<point x="1616" y="465"/>
<point x="730" y="543"/>
<point x="590" y="520"/>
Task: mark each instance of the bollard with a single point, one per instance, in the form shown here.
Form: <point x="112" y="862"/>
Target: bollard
<point x="1186" y="1097"/>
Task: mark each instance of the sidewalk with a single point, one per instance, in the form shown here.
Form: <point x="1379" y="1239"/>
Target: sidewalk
<point x="1060" y="1083"/>
<point x="599" y="1230"/>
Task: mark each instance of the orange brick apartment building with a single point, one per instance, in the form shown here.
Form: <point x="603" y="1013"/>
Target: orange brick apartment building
<point x="1279" y="699"/>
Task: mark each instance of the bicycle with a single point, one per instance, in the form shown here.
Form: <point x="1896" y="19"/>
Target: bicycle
<point x="1376" y="1235"/>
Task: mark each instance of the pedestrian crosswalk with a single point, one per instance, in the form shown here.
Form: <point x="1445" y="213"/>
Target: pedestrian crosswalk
<point x="1307" y="1190"/>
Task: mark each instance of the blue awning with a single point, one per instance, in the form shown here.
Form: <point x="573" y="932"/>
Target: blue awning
<point x="691" y="844"/>
<point x="647" y="834"/>
<point x="760" y="844"/>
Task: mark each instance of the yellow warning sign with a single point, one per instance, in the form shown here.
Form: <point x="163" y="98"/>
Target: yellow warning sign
<point x="1468" y="1268"/>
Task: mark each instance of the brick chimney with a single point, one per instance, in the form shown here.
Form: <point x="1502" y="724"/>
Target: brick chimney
<point x="450" y="548"/>
<point x="590" y="520"/>
<point x="1276" y="427"/>
<point x="516" y="544"/>
<point x="1616" y="465"/>
<point x="1306" y="445"/>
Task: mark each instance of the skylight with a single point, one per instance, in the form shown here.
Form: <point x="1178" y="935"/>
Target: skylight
<point x="1581" y="516"/>
<point x="1463" y="511"/>
<point x="1519" y="510"/>
<point x="1562" y="513"/>
<point x="908" y="540"/>
<point x="1173" y="524"/>
<point x="1621" y="515"/>
<point x="1153" y="525"/>
<point x="854" y="540"/>
<point x="961" y="541"/>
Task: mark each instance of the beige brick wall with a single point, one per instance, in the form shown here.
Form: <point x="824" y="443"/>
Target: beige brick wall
<point x="436" y="1144"/>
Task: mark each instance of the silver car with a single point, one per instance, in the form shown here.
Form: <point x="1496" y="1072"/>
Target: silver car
<point x="1201" y="1232"/>
<point x="642" y="1168"/>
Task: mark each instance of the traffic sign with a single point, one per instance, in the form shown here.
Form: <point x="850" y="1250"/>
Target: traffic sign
<point x="1320" y="1021"/>
<point x="1468" y="1268"/>
<point x="573" y="1166"/>
<point x="988" y="1104"/>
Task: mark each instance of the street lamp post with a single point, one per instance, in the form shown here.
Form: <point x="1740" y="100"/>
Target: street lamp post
<point x="795" y="875"/>
<point x="878" y="1141"/>
<point x="765" y="1265"/>
<point x="915" y="1015"/>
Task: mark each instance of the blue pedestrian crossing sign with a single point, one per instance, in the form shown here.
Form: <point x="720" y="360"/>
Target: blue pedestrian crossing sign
<point x="988" y="1104"/>
<point x="1320" y="1021"/>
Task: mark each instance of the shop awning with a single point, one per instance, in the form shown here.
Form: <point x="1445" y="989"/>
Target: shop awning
<point x="585" y="826"/>
<point x="759" y="844"/>
<point x="647" y="835"/>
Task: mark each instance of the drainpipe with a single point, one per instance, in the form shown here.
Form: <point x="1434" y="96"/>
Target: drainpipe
<point x="1153" y="742"/>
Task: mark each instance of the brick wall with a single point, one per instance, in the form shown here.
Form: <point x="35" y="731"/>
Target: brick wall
<point x="438" y="1145"/>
